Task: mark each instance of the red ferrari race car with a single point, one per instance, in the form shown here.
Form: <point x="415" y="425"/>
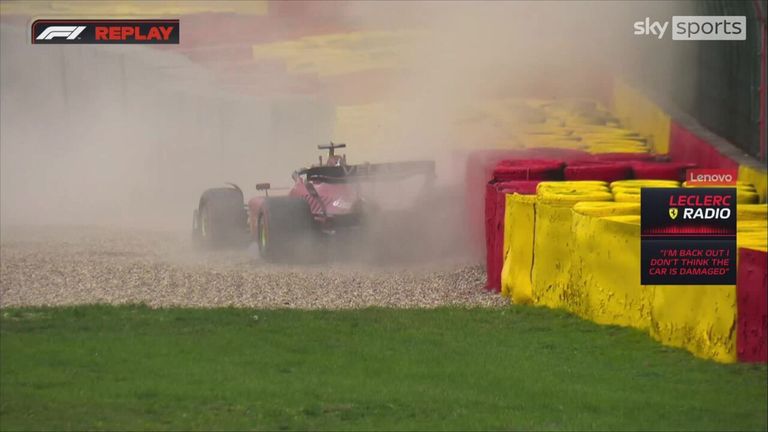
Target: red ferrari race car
<point x="329" y="199"/>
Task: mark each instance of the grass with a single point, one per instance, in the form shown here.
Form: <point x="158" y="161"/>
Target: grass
<point x="103" y="367"/>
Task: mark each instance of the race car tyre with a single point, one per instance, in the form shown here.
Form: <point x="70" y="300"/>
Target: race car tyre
<point x="286" y="230"/>
<point x="221" y="219"/>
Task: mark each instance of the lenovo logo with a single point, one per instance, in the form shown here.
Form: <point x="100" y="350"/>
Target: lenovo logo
<point x="105" y="32"/>
<point x="711" y="177"/>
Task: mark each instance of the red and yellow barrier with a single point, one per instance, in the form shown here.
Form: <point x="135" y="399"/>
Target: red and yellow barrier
<point x="552" y="246"/>
<point x="575" y="245"/>
<point x="518" y="248"/>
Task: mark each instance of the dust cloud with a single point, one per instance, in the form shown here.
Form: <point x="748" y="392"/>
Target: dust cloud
<point x="130" y="136"/>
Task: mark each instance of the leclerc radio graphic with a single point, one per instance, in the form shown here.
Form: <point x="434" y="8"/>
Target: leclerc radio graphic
<point x="688" y="236"/>
<point x="143" y="31"/>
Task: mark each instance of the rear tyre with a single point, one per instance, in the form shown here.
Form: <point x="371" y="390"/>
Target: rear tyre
<point x="286" y="231"/>
<point x="221" y="219"/>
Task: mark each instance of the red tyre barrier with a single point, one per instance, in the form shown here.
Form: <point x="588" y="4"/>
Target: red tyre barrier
<point x="623" y="157"/>
<point x="751" y="301"/>
<point x="660" y="170"/>
<point x="565" y="155"/>
<point x="528" y="169"/>
<point x="479" y="171"/>
<point x="596" y="170"/>
<point x="495" y="199"/>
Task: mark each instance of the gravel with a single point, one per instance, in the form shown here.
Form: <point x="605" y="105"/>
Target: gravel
<point x="83" y="265"/>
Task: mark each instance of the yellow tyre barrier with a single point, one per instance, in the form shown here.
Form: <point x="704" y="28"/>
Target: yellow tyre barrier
<point x="598" y="149"/>
<point x="698" y="318"/>
<point x="552" y="249"/>
<point x="571" y="185"/>
<point x="751" y="212"/>
<point x="627" y="197"/>
<point x="640" y="143"/>
<point x="606" y="208"/>
<point x="609" y="294"/>
<point x="644" y="183"/>
<point x="756" y="176"/>
<point x="602" y="130"/>
<point x="739" y="185"/>
<point x="753" y="239"/>
<point x="752" y="225"/>
<point x="634" y="190"/>
<point x="747" y="197"/>
<point x="518" y="248"/>
<point x="701" y="318"/>
<point x="601" y="136"/>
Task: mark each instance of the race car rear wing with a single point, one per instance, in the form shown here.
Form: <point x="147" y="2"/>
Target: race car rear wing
<point x="368" y="172"/>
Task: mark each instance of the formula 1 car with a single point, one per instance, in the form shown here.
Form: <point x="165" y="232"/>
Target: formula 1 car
<point x="326" y="200"/>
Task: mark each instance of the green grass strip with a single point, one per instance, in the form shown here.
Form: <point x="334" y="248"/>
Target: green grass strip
<point x="115" y="368"/>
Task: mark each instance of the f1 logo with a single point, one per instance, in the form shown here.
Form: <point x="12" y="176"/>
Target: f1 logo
<point x="105" y="31"/>
<point x="69" y="32"/>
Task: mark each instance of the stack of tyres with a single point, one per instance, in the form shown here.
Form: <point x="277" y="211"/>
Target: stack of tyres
<point x="552" y="233"/>
<point x="745" y="192"/>
<point x="699" y="318"/>
<point x="709" y="321"/>
<point x="518" y="248"/>
<point x="495" y="200"/>
<point x="752" y="212"/>
<point x="528" y="169"/>
<point x="608" y="294"/>
<point x="598" y="170"/>
<point x="659" y="170"/>
<point x="624" y="157"/>
<point x="565" y="155"/>
<point x="478" y="172"/>
<point x="752" y="283"/>
<point x="752" y="304"/>
<point x="629" y="190"/>
<point x="520" y="175"/>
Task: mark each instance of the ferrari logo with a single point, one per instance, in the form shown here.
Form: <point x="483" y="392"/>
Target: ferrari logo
<point x="673" y="213"/>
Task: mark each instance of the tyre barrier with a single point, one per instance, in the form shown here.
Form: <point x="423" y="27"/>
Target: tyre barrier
<point x="479" y="170"/>
<point x="745" y="192"/>
<point x="597" y="170"/>
<point x="556" y="246"/>
<point x="629" y="190"/>
<point x="495" y="207"/>
<point x="527" y="169"/>
<point x="609" y="294"/>
<point x="565" y="155"/>
<point x="627" y="147"/>
<point x="623" y="157"/>
<point x="640" y="183"/>
<point x="552" y="227"/>
<point x="519" y="217"/>
<point x="757" y="177"/>
<point x="608" y="135"/>
<point x="752" y="212"/>
<point x="659" y="170"/>
<point x="698" y="318"/>
<point x="590" y="289"/>
<point x="752" y="302"/>
<point x="703" y="319"/>
<point x="522" y="176"/>
<point x="479" y="167"/>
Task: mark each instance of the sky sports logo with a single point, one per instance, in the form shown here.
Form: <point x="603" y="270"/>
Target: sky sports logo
<point x="152" y="31"/>
<point x="706" y="28"/>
